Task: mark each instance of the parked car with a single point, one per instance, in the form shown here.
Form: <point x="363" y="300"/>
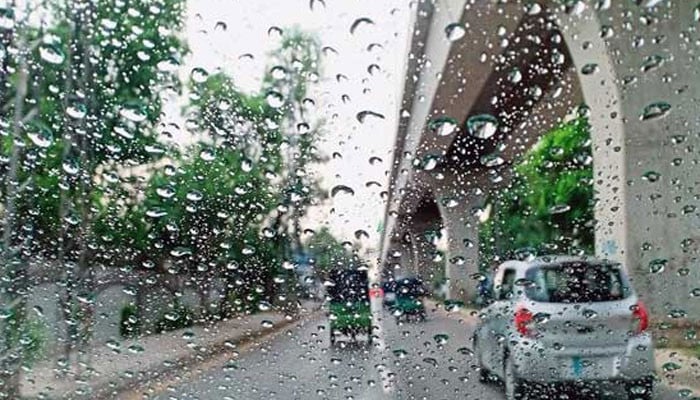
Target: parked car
<point x="562" y="320"/>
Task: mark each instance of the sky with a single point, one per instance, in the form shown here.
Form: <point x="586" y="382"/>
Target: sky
<point x="247" y="23"/>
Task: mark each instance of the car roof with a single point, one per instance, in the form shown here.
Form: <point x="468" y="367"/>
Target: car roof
<point x="553" y="260"/>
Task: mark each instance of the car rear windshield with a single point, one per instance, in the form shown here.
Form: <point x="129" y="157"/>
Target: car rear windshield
<point x="576" y="282"/>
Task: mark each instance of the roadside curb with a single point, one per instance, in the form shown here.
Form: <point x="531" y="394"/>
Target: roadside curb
<point x="129" y="381"/>
<point x="165" y="373"/>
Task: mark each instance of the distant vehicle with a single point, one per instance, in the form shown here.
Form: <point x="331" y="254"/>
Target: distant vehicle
<point x="389" y="288"/>
<point x="558" y="320"/>
<point x="408" y="302"/>
<point x="348" y="304"/>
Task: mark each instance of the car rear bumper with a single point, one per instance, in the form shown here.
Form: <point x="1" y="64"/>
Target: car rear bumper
<point x="629" y="362"/>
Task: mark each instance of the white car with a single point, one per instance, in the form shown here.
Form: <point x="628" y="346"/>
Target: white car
<point x="565" y="320"/>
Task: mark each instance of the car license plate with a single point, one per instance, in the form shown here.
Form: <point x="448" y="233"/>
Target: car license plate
<point x="577" y="366"/>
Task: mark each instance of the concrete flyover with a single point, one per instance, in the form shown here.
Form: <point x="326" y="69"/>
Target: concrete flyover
<point x="529" y="65"/>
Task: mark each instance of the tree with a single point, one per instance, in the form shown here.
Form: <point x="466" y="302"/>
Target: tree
<point x="13" y="289"/>
<point x="95" y="73"/>
<point x="328" y="253"/>
<point x="549" y="206"/>
<point x="295" y="66"/>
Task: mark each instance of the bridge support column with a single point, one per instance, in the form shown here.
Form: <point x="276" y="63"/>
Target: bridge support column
<point x="462" y="246"/>
<point x="423" y="250"/>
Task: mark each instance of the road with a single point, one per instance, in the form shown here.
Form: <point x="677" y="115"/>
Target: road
<point x="423" y="360"/>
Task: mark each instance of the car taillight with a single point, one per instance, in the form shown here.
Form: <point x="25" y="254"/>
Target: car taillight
<point x="522" y="320"/>
<point x="640" y="317"/>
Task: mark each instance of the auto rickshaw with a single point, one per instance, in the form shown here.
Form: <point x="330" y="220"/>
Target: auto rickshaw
<point x="408" y="303"/>
<point x="348" y="304"/>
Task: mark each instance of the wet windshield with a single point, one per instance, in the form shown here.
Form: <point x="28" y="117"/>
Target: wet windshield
<point x="337" y="199"/>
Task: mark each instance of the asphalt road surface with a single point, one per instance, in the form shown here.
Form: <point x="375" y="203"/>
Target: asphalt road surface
<point x="419" y="360"/>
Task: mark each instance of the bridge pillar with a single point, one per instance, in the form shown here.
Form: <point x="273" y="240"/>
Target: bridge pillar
<point x="422" y="235"/>
<point x="462" y="256"/>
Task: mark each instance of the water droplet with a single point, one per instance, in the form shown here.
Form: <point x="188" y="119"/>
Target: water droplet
<point x="274" y="32"/>
<point x="431" y="361"/>
<point x="267" y="324"/>
<point x="77" y="110"/>
<point x="135" y="349"/>
<point x="443" y="126"/>
<point x="359" y="234"/>
<point x="274" y="99"/>
<point x="207" y="155"/>
<point x="358" y="22"/>
<point x="651" y="176"/>
<point x="278" y="72"/>
<point x="194" y="195"/>
<point x="169" y="64"/>
<point x="455" y="31"/>
<point x="41" y="136"/>
<point x="224" y="105"/>
<point x="482" y="126"/>
<point x="342" y="189"/>
<point x="655" y="110"/>
<point x="246" y="165"/>
<point x="670" y="366"/>
<point x="165" y="192"/>
<point x="589" y="69"/>
<point x="534" y="8"/>
<point x="199" y="75"/>
<point x="7" y="18"/>
<point x="541" y="318"/>
<point x="515" y="75"/>
<point x="441" y="338"/>
<point x="400" y="353"/>
<point x="363" y="115"/>
<point x="133" y="112"/>
<point x="429" y="162"/>
<point x="264" y="306"/>
<point x="652" y="62"/>
<point x="52" y="54"/>
<point x="221" y="26"/>
<point x="492" y="160"/>
<point x="70" y="167"/>
<point x="559" y="209"/>
<point x="38" y="311"/>
<point x="657" y="266"/>
<point x="156" y="213"/>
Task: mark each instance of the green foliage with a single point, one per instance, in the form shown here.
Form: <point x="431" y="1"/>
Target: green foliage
<point x="97" y="104"/>
<point x="129" y="325"/>
<point x="29" y="336"/>
<point x="549" y="206"/>
<point x="328" y="253"/>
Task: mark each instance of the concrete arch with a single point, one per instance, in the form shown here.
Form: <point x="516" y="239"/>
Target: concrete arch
<point x="459" y="184"/>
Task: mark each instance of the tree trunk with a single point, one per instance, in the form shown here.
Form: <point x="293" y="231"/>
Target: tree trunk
<point x="13" y="293"/>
